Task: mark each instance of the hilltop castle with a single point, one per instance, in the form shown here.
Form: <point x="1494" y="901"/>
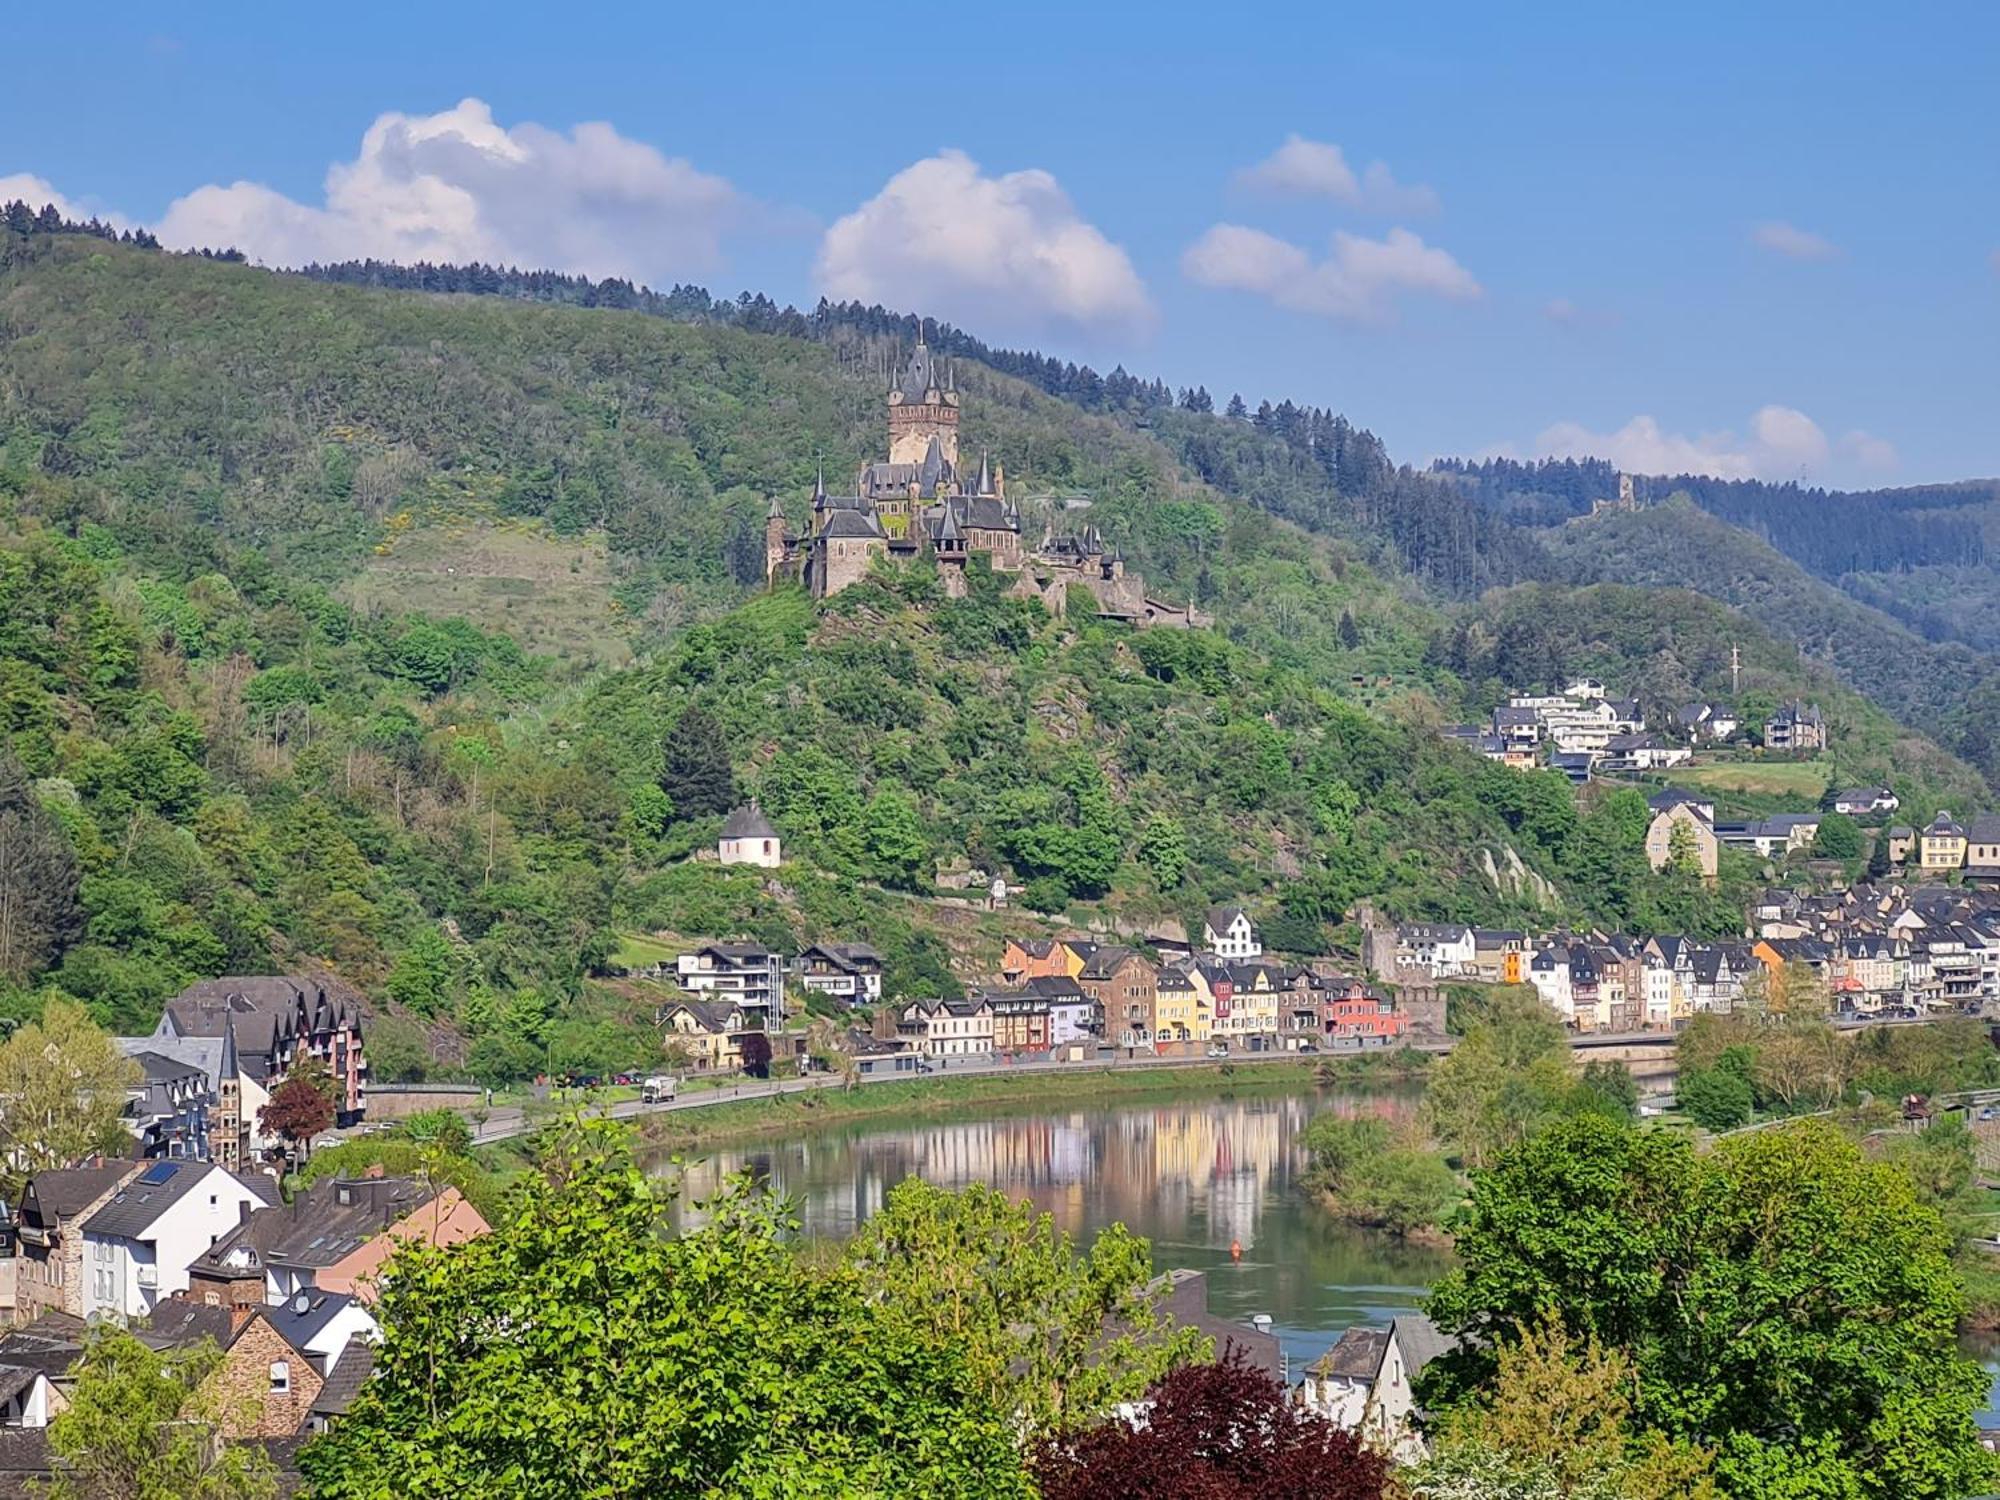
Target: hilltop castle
<point x="918" y="503"/>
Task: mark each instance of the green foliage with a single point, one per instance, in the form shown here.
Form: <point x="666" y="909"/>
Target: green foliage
<point x="695" y="775"/>
<point x="1695" y="1268"/>
<point x="1054" y="1336"/>
<point x="1839" y="837"/>
<point x="1719" y="1098"/>
<point x="578" y="1351"/>
<point x="142" y="1423"/>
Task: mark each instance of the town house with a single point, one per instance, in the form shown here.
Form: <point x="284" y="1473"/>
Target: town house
<point x="1122" y="982"/>
<point x="49" y="1275"/>
<point x="947" y="1028"/>
<point x="848" y="971"/>
<point x="138" y="1246"/>
<point x="275" y="1020"/>
<point x="1228" y="932"/>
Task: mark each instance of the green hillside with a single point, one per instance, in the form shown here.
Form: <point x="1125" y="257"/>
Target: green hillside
<point x="1946" y="691"/>
<point x="359" y="628"/>
<point x="1668" y="645"/>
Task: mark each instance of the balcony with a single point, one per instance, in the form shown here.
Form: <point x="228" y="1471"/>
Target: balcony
<point x="148" y="1277"/>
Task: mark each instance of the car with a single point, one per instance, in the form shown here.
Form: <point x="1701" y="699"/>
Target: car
<point x="1308" y="1047"/>
<point x="1218" y="1049"/>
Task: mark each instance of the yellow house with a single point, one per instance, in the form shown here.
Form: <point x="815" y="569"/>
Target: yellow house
<point x="1251" y="1006"/>
<point x="1942" y="846"/>
<point x="1183" y="1008"/>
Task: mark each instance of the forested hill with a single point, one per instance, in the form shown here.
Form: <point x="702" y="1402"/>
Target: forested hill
<point x="1947" y="690"/>
<point x="1924" y="554"/>
<point x="426" y="637"/>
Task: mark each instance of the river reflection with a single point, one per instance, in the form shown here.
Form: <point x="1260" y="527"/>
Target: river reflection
<point x="1193" y="1177"/>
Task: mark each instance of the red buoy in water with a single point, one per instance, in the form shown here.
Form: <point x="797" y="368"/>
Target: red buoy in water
<point x="1236" y="1249"/>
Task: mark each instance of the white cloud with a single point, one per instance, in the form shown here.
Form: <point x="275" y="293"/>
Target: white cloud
<point x="1008" y="252"/>
<point x="1792" y="242"/>
<point x="1867" y="451"/>
<point x="1779" y="444"/>
<point x="39" y="192"/>
<point x="1319" y="169"/>
<point x="1358" y="282"/>
<point x="456" y="186"/>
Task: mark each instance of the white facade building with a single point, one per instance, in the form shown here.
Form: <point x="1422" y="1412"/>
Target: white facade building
<point x="1228" y="932"/>
<point x="137" y="1248"/>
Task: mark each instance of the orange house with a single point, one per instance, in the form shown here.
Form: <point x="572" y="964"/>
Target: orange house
<point x="1044" y="958"/>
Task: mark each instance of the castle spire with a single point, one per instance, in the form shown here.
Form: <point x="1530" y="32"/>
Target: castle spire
<point x="985" y="476"/>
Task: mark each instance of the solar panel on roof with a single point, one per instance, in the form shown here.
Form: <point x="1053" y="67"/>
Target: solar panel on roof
<point x="159" y="1171"/>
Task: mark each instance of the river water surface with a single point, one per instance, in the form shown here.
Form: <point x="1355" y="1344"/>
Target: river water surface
<point x="1194" y="1177"/>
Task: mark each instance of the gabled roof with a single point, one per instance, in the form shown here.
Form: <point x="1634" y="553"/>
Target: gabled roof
<point x="1357" y="1355"/>
<point x="1945" y="826"/>
<point x="850" y="523"/>
<point x="324" y="1224"/>
<point x="1220" y="918"/>
<point x="136" y="1207"/>
<point x="1105" y="961"/>
<point x="301" y="1318"/>
<point x="748" y="823"/>
<point x="69" y="1190"/>
<point x="1057" y="987"/>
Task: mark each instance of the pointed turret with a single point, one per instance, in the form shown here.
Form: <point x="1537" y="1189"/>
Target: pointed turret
<point x="228" y="1070"/>
<point x="985" y="476"/>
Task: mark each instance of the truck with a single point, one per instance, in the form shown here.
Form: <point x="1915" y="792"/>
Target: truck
<point x="659" y="1089"/>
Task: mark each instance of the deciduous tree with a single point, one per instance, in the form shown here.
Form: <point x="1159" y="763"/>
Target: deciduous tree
<point x="141" y="1424"/>
<point x="62" y="1090"/>
<point x="579" y="1350"/>
<point x="1221" y="1431"/>
<point x="1052" y="1335"/>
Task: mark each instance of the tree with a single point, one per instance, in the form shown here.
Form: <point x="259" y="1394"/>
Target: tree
<point x="1163" y="850"/>
<point x="424" y="973"/>
<point x="298" y="1110"/>
<point x="1212" y="1432"/>
<point x="1051" y="1336"/>
<point x="1839" y="837"/>
<point x="1783" y="1302"/>
<point x="1502" y="1081"/>
<point x="696" y="776"/>
<point x="756" y="1054"/>
<point x="581" y="1350"/>
<point x="141" y="1424"/>
<point x="62" y="1090"/>
<point x="1721" y="1097"/>
<point x="1878" y="856"/>
<point x="39" y="912"/>
<point x="898" y="851"/>
<point x="1555" y="1424"/>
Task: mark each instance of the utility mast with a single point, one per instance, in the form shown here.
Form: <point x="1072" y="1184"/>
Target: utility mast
<point x="1735" y="671"/>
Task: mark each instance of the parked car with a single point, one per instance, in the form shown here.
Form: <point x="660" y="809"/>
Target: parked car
<point x="1218" y="1049"/>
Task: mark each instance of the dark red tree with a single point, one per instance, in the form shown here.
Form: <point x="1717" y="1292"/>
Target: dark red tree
<point x="757" y="1054"/>
<point x="298" y="1110"/>
<point x="1225" y="1431"/>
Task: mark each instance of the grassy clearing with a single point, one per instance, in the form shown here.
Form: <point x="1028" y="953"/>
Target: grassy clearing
<point x="1772" y="778"/>
<point x="551" y="594"/>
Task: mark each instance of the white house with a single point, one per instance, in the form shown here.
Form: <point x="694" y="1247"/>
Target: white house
<point x="137" y="1247"/>
<point x="321" y="1325"/>
<point x="1548" y="972"/>
<point x="947" y="1028"/>
<point x="848" y="971"/>
<point x="748" y="973"/>
<point x="1440" y="949"/>
<point x="749" y="839"/>
<point x="1071" y="1011"/>
<point x="1228" y="932"/>
<point x="1364" y="1383"/>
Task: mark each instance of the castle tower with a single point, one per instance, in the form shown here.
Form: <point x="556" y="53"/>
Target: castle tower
<point x="923" y="405"/>
<point x="777" y="550"/>
<point x="949" y="544"/>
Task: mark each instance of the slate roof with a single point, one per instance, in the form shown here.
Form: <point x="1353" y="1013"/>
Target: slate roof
<point x="1056" y="987"/>
<point x="1105" y="961"/>
<point x="326" y="1223"/>
<point x="68" y="1190"/>
<point x="301" y="1319"/>
<point x="1220" y="917"/>
<point x="842" y="522"/>
<point x="748" y="823"/>
<point x="1357" y="1355"/>
<point x="350" y="1373"/>
<point x="136" y="1207"/>
<point x="178" y="1323"/>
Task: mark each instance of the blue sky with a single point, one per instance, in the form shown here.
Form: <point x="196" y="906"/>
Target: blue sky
<point x="1751" y="239"/>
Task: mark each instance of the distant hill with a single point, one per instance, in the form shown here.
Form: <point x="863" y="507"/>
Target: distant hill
<point x="1924" y="554"/>
<point x="1948" y="691"/>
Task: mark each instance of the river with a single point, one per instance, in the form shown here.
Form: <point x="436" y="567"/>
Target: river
<point x="1193" y="1176"/>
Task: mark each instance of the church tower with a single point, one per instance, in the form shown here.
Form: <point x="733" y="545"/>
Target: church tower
<point x="923" y="404"/>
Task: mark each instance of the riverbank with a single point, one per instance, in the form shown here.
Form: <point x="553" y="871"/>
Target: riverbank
<point x="784" y="1114"/>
